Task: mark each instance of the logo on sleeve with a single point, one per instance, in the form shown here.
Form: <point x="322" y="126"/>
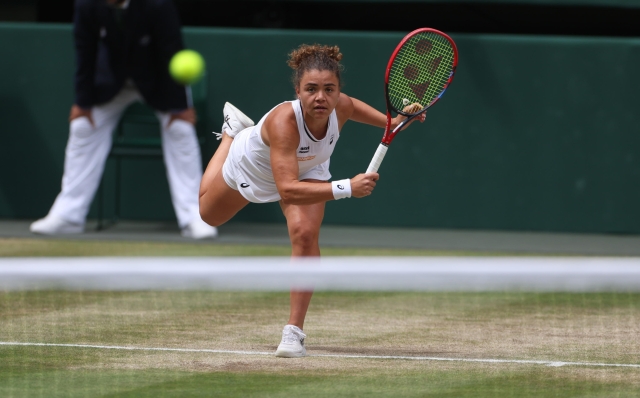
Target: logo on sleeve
<point x="244" y="185"/>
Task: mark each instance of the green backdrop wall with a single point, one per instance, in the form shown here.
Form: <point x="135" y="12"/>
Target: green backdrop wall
<point x="536" y="133"/>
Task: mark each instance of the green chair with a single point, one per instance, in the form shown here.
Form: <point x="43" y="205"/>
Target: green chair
<point x="128" y="143"/>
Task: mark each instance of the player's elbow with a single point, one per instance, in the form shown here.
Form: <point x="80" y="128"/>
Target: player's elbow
<point x="287" y="192"/>
<point x="288" y="197"/>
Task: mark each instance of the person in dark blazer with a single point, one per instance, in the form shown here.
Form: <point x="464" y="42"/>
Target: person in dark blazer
<point x="123" y="49"/>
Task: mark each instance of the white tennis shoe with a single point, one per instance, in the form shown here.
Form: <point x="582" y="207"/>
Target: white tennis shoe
<point x="54" y="225"/>
<point x="292" y="344"/>
<point x="234" y="121"/>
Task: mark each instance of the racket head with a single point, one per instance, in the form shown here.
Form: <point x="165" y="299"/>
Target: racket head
<point x="420" y="70"/>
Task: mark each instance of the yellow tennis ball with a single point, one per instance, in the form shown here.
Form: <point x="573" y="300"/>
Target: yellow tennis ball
<point x="186" y="66"/>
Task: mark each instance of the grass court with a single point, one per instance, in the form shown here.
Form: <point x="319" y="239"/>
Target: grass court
<point x="217" y="343"/>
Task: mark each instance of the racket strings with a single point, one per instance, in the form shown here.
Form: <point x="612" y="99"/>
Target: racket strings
<point x="420" y="70"/>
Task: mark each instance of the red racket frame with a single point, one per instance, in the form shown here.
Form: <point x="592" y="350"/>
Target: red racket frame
<point x="388" y="134"/>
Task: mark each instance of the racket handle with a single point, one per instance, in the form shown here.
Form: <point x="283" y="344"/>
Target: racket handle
<point x="377" y="158"/>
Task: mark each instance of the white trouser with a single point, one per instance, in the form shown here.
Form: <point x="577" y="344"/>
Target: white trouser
<point x="89" y="146"/>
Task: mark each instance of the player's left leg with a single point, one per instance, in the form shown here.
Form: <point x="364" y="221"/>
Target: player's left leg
<point x="234" y="122"/>
<point x="303" y="223"/>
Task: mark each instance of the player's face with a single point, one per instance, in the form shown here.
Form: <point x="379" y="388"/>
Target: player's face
<point x="319" y="91"/>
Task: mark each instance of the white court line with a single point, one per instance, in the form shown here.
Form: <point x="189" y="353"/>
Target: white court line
<point x="396" y="357"/>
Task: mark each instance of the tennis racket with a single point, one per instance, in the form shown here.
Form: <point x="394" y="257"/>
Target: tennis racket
<point x="419" y="71"/>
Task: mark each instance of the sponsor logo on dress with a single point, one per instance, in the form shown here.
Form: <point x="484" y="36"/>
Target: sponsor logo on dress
<point x="304" y="149"/>
<point x="305" y="158"/>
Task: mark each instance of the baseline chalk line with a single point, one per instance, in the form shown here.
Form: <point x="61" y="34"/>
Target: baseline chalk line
<point x="391" y="357"/>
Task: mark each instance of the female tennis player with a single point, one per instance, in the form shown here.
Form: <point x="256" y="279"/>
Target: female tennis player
<point x="285" y="158"/>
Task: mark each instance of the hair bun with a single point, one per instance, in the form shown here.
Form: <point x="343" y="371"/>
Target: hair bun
<point x="314" y="56"/>
<point x="298" y="56"/>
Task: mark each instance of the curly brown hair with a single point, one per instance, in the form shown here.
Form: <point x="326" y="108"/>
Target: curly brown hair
<point x="315" y="57"/>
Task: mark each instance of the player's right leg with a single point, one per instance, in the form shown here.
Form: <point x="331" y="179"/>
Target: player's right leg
<point x="215" y="164"/>
<point x="234" y="122"/>
<point x="218" y="201"/>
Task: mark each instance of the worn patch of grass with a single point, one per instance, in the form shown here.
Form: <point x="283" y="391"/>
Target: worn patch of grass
<point x="511" y="325"/>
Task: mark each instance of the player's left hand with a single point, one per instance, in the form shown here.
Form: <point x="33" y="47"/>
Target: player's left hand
<point x="188" y="115"/>
<point x="409" y="109"/>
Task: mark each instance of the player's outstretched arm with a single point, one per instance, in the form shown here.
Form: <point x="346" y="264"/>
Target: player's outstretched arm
<point x="364" y="113"/>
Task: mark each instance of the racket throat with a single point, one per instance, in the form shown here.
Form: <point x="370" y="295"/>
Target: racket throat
<point x="396" y="130"/>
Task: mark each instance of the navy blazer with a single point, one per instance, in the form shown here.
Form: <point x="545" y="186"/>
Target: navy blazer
<point x="138" y="48"/>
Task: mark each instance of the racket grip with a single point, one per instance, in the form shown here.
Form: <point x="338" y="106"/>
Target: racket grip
<point x="377" y="158"/>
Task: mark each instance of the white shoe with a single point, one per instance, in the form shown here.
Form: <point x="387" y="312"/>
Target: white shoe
<point x="292" y="344"/>
<point x="198" y="229"/>
<point x="54" y="225"/>
<point x="234" y="121"/>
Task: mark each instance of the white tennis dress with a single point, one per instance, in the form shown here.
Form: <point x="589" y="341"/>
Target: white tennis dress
<point x="248" y="166"/>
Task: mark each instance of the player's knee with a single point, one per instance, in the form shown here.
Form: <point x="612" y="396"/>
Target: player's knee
<point x="211" y="219"/>
<point x="209" y="216"/>
<point x="303" y="237"/>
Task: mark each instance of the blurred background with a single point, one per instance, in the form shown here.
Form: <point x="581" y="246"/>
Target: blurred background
<point x="538" y="132"/>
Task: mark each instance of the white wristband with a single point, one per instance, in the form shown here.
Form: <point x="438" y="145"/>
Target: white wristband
<point x="341" y="189"/>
